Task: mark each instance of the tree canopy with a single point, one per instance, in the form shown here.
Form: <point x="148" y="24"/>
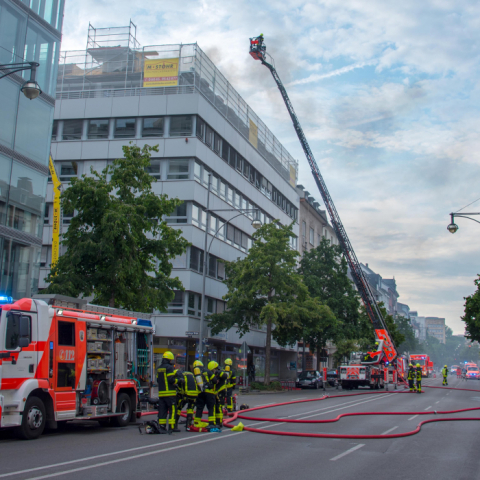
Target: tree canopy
<point x="472" y="313"/>
<point x="118" y="244"/>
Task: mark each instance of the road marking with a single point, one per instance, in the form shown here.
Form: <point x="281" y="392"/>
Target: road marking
<point x="438" y="401"/>
<point x="299" y="398"/>
<point x="428" y="408"/>
<point x="356" y="447"/>
<point x="389" y="430"/>
<point x="264" y="404"/>
<point x="415" y="416"/>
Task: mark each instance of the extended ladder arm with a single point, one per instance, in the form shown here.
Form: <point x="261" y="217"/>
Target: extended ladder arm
<point x="57" y="191"/>
<point x="361" y="283"/>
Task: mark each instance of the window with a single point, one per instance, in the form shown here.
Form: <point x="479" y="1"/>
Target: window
<point x="68" y="170"/>
<point x="246" y="169"/>
<point x="44" y="257"/>
<point x="181" y="126"/>
<point x="124" y="128"/>
<point x="192" y="301"/>
<point x="12" y="38"/>
<point x="177" y="169"/>
<point x="225" y="150"/>
<point x="205" y="176"/>
<point x="72" y="129"/>
<point x="319" y="239"/>
<point x="153" y="127"/>
<point x="220" y="270"/>
<point x="237" y="199"/>
<point x="239" y="163"/>
<point x="179" y="215"/>
<point x="232" y="159"/>
<point x="154" y="169"/>
<point x="67" y="216"/>
<point x="304" y="230"/>
<point x="176" y="305"/>
<point x="244" y="241"/>
<point x="54" y="130"/>
<point x="312" y="236"/>
<point x="46" y="216"/>
<point x="217" y="143"/>
<point x="66" y="334"/>
<point x="212" y="266"/>
<point x="98" y="128"/>
<point x="222" y="189"/>
<point x="196" y="259"/>
<point x="209" y="136"/>
<point x="200" y="129"/>
<point x="66" y="375"/>
<point x="198" y="216"/>
<point x="211" y="305"/>
<point x="197" y="171"/>
<point x="12" y="334"/>
<point x="213" y="224"/>
<point x="230" y="232"/>
<point x="230" y="195"/>
<point x="220" y="229"/>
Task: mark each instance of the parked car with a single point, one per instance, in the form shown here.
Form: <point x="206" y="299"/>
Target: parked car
<point x="309" y="379"/>
<point x="453" y="369"/>
<point x="332" y="377"/>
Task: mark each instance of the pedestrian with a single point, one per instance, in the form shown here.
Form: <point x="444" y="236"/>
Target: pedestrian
<point x="411" y="377"/>
<point x="167" y="393"/>
<point x="231" y="382"/>
<point x="445" y="375"/>
<point x="418" y="378"/>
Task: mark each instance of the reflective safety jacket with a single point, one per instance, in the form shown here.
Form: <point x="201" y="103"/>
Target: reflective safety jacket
<point x="166" y="379"/>
<point x="210" y="381"/>
<point x="445" y="372"/>
<point x="418" y="371"/>
<point x="411" y="373"/>
<point x="189" y="388"/>
<point x="232" y="376"/>
<point x="222" y="376"/>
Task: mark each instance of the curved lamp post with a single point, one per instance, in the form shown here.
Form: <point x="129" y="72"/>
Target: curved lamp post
<point x="31" y="89"/>
<point x="256" y="223"/>
<point x="453" y="227"/>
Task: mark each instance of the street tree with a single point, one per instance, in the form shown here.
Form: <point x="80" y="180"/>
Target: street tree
<point x="263" y="287"/>
<point x="119" y="245"/>
<point x="325" y="273"/>
<point x="472" y="313"/>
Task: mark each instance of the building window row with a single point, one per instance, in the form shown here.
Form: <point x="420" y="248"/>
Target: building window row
<point x="190" y="303"/>
<point x="216" y="266"/>
<point x="224" y="150"/>
<point x="120" y="128"/>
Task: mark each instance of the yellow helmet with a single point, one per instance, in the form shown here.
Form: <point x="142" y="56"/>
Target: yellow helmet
<point x="197" y="363"/>
<point x="446" y="366"/>
<point x="228" y="361"/>
<point x="212" y="365"/>
<point x="168" y="355"/>
<point x="418" y="364"/>
<point x="410" y="364"/>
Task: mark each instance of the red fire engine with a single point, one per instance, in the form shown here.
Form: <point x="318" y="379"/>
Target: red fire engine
<point x="424" y="361"/>
<point x="59" y="363"/>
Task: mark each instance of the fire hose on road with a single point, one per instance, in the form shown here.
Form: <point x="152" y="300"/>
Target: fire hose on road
<point x="241" y="415"/>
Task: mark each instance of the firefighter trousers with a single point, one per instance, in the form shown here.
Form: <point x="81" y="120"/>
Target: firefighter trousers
<point x="419" y="386"/>
<point x="190" y="403"/>
<point x="220" y="403"/>
<point x="411" y="385"/>
<point x="445" y="380"/>
<point x="167" y="406"/>
<point x="230" y="399"/>
<point x="208" y="399"/>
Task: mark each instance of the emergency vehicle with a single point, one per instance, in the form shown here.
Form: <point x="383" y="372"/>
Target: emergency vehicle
<point x="424" y="361"/>
<point x="59" y="363"/>
<point x="355" y="374"/>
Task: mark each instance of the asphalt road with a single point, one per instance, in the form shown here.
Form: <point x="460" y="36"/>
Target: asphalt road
<point x="445" y="450"/>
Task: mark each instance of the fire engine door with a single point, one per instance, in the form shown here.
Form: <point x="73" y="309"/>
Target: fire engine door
<point x="22" y="364"/>
<point x="68" y="350"/>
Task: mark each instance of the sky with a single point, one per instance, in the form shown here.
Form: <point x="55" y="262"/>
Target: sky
<point x="388" y="96"/>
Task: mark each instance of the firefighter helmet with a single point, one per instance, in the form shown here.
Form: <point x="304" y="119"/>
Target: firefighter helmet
<point x="228" y="361"/>
<point x="446" y="366"/>
<point x="197" y="363"/>
<point x="410" y="364"/>
<point x="168" y="355"/>
<point x="212" y="365"/>
<point x="418" y="364"/>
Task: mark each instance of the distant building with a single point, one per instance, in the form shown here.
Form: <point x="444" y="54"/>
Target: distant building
<point x="436" y="328"/>
<point x="418" y="323"/>
<point x="403" y="310"/>
<point x="384" y="290"/>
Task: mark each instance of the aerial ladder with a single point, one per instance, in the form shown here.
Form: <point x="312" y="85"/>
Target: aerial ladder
<point x="385" y="349"/>
<point x="57" y="212"/>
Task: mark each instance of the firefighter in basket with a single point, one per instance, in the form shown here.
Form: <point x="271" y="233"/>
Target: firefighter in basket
<point x="231" y="382"/>
<point x="418" y="378"/>
<point x="167" y="393"/>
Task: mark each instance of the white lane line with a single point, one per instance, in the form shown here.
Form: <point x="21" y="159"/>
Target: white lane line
<point x="428" y="408"/>
<point x="356" y="447"/>
<point x="389" y="430"/>
<point x="415" y="416"/>
<point x="264" y="404"/>
<point x="438" y="401"/>
<point x="299" y="398"/>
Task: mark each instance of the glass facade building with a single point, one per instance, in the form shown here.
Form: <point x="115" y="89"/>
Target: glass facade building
<point x="30" y="30"/>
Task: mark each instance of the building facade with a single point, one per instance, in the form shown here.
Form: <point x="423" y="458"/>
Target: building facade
<point x="436" y="328"/>
<point x="204" y="130"/>
<point x="29" y="31"/>
<point x="384" y="290"/>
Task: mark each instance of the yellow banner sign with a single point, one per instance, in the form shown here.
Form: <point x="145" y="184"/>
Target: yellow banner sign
<point x="160" y="72"/>
<point x="253" y="134"/>
<point x="56" y="212"/>
<point x="293" y="176"/>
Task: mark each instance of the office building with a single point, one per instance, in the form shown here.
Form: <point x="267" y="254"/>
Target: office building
<point x="30" y="31"/>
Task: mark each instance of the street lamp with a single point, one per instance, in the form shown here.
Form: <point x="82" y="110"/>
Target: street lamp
<point x="31" y="89"/>
<point x="256" y="223"/>
<point x="453" y="227"/>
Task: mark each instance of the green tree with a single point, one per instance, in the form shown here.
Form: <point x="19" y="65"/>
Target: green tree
<point x="324" y="271"/>
<point x="118" y="245"/>
<point x="472" y="313"/>
<point x="345" y="346"/>
<point x="263" y="287"/>
<point x="410" y="344"/>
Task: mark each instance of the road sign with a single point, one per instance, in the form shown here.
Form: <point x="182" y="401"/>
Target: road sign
<point x="192" y="333"/>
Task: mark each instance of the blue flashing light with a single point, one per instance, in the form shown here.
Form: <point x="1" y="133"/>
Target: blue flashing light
<point x="144" y="323"/>
<point x="4" y="300"/>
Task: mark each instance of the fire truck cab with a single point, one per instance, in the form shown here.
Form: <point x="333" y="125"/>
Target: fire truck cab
<point x="60" y="363"/>
<point x="425" y="363"/>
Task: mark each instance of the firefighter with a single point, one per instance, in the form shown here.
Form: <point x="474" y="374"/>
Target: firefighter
<point x="187" y="395"/>
<point x="167" y="393"/>
<point x="411" y="377"/>
<point x="367" y="357"/>
<point x="221" y="392"/>
<point x="445" y="375"/>
<point x="231" y="382"/>
<point x="418" y="378"/>
<point x="208" y="395"/>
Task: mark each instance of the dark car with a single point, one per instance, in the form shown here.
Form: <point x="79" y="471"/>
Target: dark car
<point x="309" y="379"/>
<point x="332" y="377"/>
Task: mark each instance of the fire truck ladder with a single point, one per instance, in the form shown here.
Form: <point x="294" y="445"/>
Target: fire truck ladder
<point x="258" y="52"/>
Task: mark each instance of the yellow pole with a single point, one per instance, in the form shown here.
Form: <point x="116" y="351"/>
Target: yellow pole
<point x="56" y="212"/>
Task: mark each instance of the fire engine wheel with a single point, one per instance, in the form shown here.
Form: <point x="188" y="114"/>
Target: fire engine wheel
<point x="123" y="406"/>
<point x="33" y="419"/>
